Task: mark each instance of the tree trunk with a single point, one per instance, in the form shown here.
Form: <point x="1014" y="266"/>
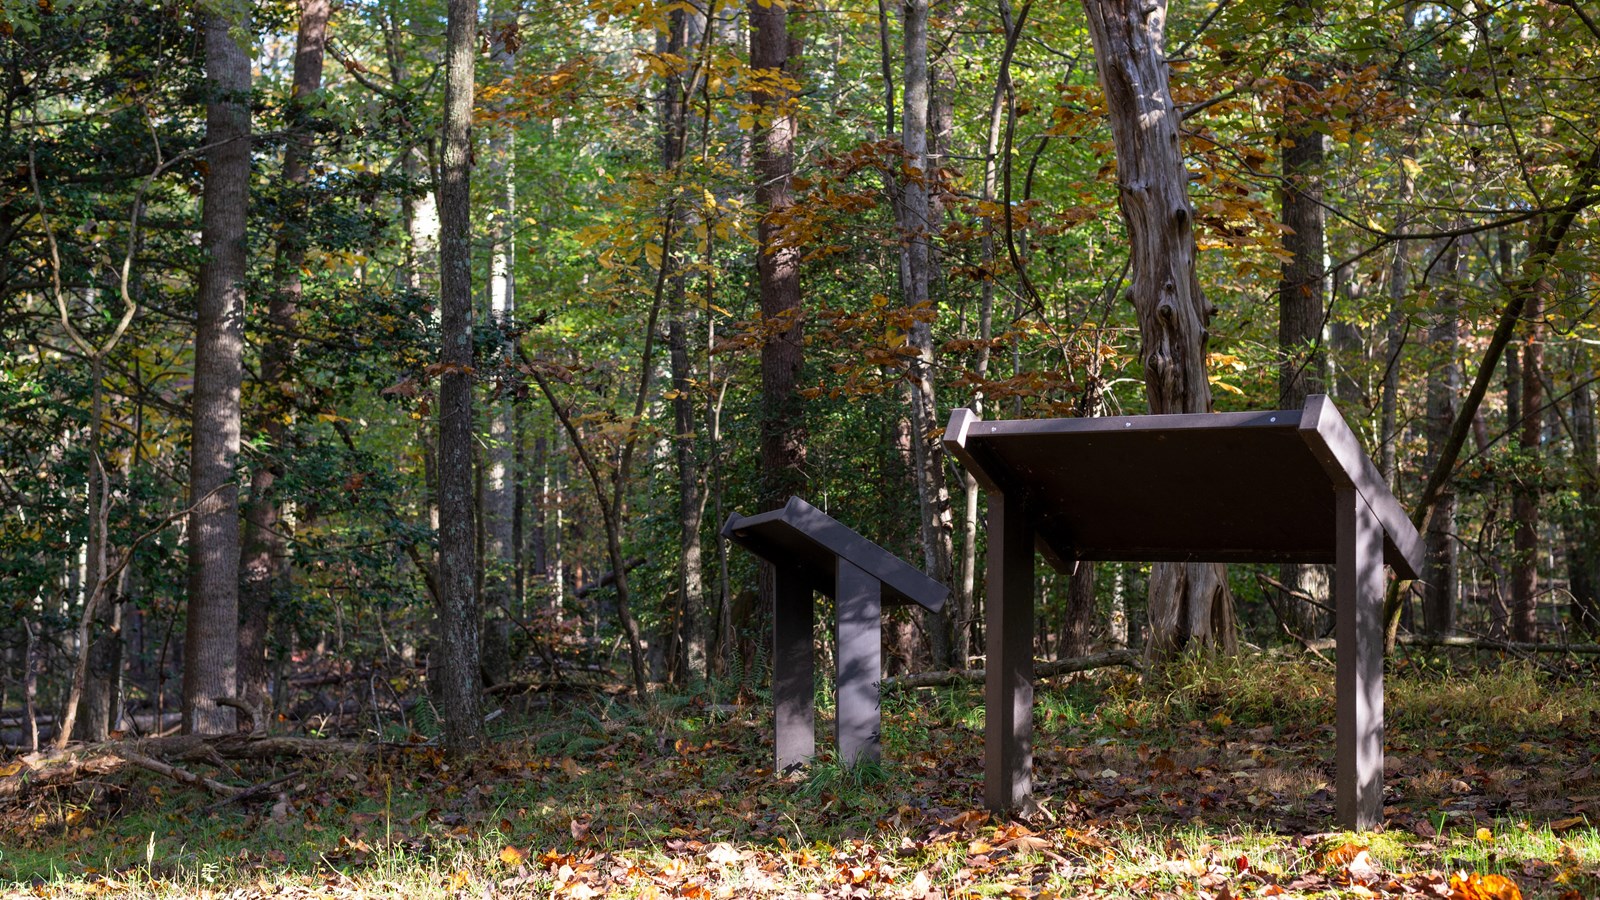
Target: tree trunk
<point x="498" y="490"/>
<point x="783" y="453"/>
<point x="211" y="636"/>
<point x="1079" y="618"/>
<point x="102" y="641"/>
<point x="460" y="681"/>
<point x="916" y="275"/>
<point x="264" y="562"/>
<point x="1525" y="490"/>
<point x="689" y="629"/>
<point x="1551" y="232"/>
<point x="1583" y="546"/>
<point x="1439" y="540"/>
<point x="1190" y="604"/>
<point x="1302" y="287"/>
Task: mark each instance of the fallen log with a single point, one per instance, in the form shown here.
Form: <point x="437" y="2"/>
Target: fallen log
<point x="1467" y="642"/>
<point x="163" y="754"/>
<point x="182" y="776"/>
<point x="1041" y="670"/>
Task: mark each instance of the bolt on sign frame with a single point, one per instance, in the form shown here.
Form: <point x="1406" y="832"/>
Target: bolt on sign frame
<point x="1278" y="486"/>
<point x="810" y="552"/>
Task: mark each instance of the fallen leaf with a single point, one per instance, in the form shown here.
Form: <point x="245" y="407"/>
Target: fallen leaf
<point x="1340" y="856"/>
<point x="511" y="856"/>
<point x="1483" y="887"/>
<point x="1361" y="869"/>
<point x="723" y="854"/>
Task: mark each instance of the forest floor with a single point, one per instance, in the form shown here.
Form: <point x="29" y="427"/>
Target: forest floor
<point x="1214" y="783"/>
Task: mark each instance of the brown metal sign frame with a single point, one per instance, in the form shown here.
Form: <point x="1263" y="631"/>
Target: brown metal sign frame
<point x="1274" y="486"/>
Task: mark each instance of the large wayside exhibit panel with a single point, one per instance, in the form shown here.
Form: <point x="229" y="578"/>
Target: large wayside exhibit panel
<point x="1274" y="486"/>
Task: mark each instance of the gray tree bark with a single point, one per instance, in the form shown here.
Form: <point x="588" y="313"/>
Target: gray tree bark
<point x="458" y="691"/>
<point x="211" y="630"/>
<point x="1583" y="544"/>
<point x="499" y="476"/>
<point x="689" y="620"/>
<point x="916" y="276"/>
<point x="263" y="566"/>
<point x="1525" y="490"/>
<point x="1190" y="604"/>
<point x="1440" y="548"/>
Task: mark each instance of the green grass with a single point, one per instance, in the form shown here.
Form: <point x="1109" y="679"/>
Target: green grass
<point x="1217" y="773"/>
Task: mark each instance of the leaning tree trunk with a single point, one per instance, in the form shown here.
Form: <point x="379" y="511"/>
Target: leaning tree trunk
<point x="263" y="564"/>
<point x="211" y="635"/>
<point x="916" y="275"/>
<point x="458" y="666"/>
<point x="1190" y="604"/>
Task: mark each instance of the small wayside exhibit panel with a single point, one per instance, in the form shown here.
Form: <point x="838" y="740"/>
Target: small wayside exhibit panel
<point x="809" y="542"/>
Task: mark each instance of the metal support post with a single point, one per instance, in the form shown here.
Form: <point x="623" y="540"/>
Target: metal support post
<point x="858" y="602"/>
<point x="1358" y="583"/>
<point x="1008" y="681"/>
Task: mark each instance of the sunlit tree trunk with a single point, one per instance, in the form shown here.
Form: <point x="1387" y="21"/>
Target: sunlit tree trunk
<point x="458" y="670"/>
<point x="211" y="635"/>
<point x="263" y="566"/>
<point x="1190" y="604"/>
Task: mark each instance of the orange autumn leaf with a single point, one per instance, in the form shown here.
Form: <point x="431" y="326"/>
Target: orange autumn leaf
<point x="511" y="856"/>
<point x="1340" y="856"/>
<point x="1483" y="887"/>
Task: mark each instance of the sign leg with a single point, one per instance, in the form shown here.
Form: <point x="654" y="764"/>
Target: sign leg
<point x="858" y="602"/>
<point x="793" y="671"/>
<point x="1358" y="584"/>
<point x="1008" y="681"/>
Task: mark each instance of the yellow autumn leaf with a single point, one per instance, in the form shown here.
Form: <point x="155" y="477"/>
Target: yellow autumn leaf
<point x="511" y="856"/>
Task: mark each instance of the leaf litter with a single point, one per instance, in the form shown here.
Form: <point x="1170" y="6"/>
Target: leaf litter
<point x="681" y="803"/>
